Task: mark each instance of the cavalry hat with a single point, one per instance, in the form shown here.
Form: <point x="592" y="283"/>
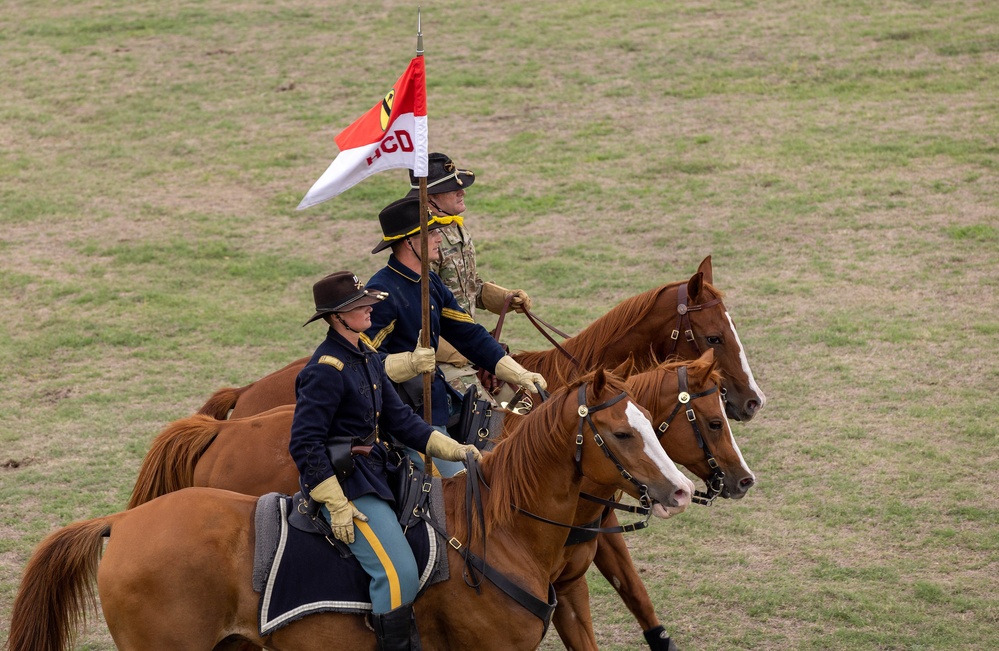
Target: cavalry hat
<point x="442" y="176"/>
<point x="400" y="219"/>
<point x="341" y="292"/>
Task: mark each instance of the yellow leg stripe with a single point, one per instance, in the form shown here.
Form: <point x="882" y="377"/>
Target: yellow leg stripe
<point x="395" y="590"/>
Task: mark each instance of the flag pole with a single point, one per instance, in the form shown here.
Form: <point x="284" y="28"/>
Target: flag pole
<point x="424" y="266"/>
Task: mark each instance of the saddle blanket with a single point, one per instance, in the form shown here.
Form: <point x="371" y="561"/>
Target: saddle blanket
<point x="287" y="560"/>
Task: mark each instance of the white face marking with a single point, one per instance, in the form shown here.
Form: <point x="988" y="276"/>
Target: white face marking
<point x="735" y="446"/>
<point x="654" y="449"/>
<point x="745" y="364"/>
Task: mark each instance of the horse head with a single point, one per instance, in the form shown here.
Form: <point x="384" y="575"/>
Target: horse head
<point x="616" y="444"/>
<point x="698" y="321"/>
<point x="684" y="399"/>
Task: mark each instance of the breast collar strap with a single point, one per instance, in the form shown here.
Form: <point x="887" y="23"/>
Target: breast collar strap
<point x="474" y="564"/>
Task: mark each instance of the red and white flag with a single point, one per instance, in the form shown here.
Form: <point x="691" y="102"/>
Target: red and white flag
<point x="391" y="135"/>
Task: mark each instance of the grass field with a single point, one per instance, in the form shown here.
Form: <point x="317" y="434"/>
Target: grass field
<point x="838" y="160"/>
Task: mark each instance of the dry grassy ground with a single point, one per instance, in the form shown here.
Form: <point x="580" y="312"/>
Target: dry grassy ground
<point x="837" y="160"/>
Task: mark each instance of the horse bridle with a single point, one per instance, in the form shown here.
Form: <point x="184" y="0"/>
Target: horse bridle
<point x="683" y="310"/>
<point x="715" y="482"/>
<point x="645" y="501"/>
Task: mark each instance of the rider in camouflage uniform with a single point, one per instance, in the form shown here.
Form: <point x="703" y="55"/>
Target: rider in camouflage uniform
<point x="446" y="185"/>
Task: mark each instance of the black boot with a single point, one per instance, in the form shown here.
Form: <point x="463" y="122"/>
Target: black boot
<point x="658" y="639"/>
<point x="396" y="629"/>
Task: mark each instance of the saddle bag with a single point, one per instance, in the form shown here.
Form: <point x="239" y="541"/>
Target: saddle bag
<point x="411" y="392"/>
<point x="410" y="486"/>
<point x="479" y="422"/>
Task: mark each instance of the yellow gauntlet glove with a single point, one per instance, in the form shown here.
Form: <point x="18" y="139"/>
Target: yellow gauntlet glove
<point x="446" y="448"/>
<point x="342" y="512"/>
<point x="492" y="297"/>
<point x="404" y="366"/>
<point x="512" y="372"/>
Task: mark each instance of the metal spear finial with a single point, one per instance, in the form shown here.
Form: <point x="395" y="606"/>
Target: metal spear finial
<point x="419" y="33"/>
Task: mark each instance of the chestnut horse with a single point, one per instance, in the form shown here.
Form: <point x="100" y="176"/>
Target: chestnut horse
<point x="679" y="320"/>
<point x="684" y="399"/>
<point x="250" y="455"/>
<point x="177" y="571"/>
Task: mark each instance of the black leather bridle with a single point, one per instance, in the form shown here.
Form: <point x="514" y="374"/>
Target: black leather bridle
<point x="684" y="400"/>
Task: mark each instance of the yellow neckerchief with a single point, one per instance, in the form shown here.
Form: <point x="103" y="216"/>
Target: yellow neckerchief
<point x="447" y="220"/>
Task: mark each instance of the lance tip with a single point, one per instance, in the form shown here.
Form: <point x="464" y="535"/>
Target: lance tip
<point x="419" y="32"/>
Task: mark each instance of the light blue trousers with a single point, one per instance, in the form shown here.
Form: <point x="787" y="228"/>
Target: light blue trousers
<point x="385" y="555"/>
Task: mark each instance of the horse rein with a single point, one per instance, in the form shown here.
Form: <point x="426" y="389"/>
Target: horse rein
<point x="537" y="322"/>
<point x="715" y="482"/>
<point x="540" y="608"/>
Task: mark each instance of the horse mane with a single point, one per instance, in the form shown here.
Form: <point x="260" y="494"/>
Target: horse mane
<point x="589" y="344"/>
<point x="520" y="462"/>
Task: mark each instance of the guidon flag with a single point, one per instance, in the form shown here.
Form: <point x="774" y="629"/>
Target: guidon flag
<point x="393" y="134"/>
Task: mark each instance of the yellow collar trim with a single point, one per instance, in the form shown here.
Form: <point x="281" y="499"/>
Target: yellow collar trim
<point x="430" y="222"/>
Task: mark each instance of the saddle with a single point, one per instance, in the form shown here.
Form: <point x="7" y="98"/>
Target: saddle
<point x="300" y="569"/>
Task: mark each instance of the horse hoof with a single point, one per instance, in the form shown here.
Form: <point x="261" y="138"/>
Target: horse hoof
<point x="659" y="639"/>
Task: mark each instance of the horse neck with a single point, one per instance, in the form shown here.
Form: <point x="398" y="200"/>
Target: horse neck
<point x="541" y="479"/>
<point x="657" y="390"/>
<point x="626" y="330"/>
<point x="649" y="387"/>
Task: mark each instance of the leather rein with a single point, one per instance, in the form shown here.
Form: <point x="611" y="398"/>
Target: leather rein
<point x="684" y="399"/>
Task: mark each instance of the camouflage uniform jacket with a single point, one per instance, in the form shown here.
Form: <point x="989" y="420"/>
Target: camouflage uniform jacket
<point x="457" y="267"/>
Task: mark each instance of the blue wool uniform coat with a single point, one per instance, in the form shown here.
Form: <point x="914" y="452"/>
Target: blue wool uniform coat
<point x="395" y="326"/>
<point x="343" y="394"/>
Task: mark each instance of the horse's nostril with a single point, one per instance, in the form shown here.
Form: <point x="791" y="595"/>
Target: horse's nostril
<point x="746" y="483"/>
<point x="752" y="406"/>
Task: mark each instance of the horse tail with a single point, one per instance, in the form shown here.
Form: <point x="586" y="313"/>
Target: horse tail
<point x="57" y="590"/>
<point x="169" y="464"/>
<point x="222" y="402"/>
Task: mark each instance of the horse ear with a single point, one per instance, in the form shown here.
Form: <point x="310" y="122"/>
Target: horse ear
<point x="626" y="368"/>
<point x="705" y="270"/>
<point x="708" y="359"/>
<point x="694" y="284"/>
<point x="599" y="379"/>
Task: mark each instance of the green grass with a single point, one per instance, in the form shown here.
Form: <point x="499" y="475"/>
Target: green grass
<point x="838" y="161"/>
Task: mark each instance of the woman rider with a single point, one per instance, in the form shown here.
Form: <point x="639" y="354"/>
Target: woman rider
<point x="343" y="400"/>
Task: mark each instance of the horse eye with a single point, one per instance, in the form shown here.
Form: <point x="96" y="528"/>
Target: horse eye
<point x="714" y="340"/>
<point x="715" y="425"/>
<point x="622" y="436"/>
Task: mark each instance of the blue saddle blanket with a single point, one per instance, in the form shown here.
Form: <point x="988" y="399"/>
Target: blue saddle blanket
<point x="286" y="561"/>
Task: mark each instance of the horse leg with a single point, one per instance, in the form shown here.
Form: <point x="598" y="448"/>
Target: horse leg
<point x="572" y="617"/>
<point x="614" y="561"/>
